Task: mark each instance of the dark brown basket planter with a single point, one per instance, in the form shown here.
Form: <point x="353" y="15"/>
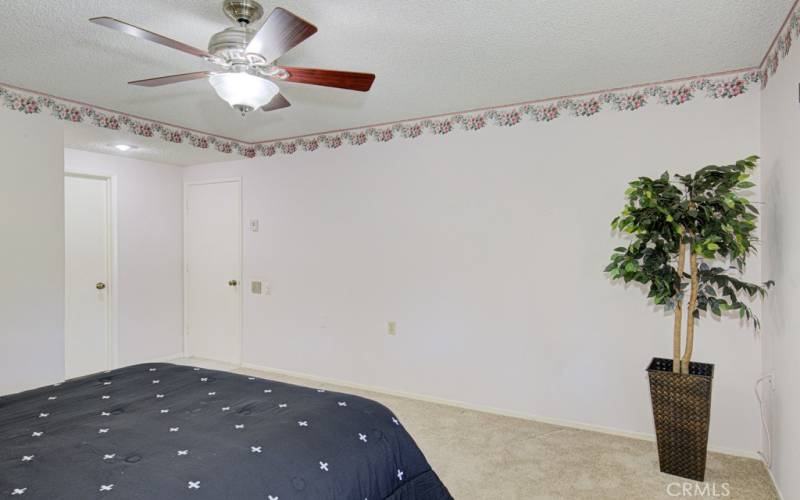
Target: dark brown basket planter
<point x="681" y="410"/>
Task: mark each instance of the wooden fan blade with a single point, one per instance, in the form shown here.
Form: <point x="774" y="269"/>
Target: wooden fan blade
<point x="116" y="24"/>
<point x="280" y="32"/>
<point x="277" y="102"/>
<point x="331" y="78"/>
<point x="167" y="80"/>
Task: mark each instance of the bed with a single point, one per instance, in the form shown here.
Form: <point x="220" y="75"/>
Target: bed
<point x="164" y="431"/>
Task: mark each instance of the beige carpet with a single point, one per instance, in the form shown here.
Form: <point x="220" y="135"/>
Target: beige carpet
<point x="480" y="456"/>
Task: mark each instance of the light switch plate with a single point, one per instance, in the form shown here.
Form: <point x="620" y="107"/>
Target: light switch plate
<point x="255" y="287"/>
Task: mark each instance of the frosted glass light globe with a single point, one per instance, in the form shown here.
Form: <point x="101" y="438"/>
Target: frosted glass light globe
<point x="244" y="92"/>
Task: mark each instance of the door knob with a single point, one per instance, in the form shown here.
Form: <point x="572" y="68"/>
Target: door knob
<point x="233" y="283"/>
<point x="100" y="285"/>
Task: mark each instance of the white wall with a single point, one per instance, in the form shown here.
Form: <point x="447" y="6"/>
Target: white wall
<point x="31" y="251"/>
<point x="149" y="226"/>
<point x="781" y="151"/>
<point x="487" y="248"/>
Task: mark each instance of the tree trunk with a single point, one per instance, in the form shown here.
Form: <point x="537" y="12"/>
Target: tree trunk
<point x="687" y="354"/>
<point x="676" y="333"/>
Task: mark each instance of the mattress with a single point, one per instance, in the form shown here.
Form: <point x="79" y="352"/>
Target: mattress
<point x="163" y="431"/>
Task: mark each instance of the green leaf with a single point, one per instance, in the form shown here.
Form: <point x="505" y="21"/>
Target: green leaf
<point x="704" y="210"/>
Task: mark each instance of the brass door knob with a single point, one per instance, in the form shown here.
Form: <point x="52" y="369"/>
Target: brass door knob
<point x="233" y="283"/>
<point x="100" y="285"/>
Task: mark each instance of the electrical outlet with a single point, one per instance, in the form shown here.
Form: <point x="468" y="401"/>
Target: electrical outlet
<point x="254" y="225"/>
<point x="255" y="287"/>
<point x="392" y="328"/>
<point x="772" y="383"/>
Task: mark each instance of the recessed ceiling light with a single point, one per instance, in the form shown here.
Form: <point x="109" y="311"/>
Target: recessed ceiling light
<point x="124" y="147"/>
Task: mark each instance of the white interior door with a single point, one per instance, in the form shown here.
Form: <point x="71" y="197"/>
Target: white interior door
<point x="212" y="243"/>
<point x="87" y="251"/>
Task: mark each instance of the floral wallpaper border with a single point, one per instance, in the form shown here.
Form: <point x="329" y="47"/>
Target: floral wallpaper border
<point x="782" y="46"/>
<point x="673" y="94"/>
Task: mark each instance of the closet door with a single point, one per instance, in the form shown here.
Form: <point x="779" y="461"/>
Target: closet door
<point x="87" y="251"/>
<point x="212" y="243"/>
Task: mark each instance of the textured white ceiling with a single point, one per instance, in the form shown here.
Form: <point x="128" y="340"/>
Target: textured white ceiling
<point x="100" y="140"/>
<point x="430" y="56"/>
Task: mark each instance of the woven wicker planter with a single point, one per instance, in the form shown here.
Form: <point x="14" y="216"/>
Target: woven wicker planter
<point x="681" y="410"/>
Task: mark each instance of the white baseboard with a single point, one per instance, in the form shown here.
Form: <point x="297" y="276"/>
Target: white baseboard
<point x="210" y="364"/>
<point x="167" y="359"/>
<point x="488" y="409"/>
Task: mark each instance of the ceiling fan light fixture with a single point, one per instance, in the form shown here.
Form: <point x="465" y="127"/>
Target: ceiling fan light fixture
<point x="244" y="92"/>
<point x="246" y="55"/>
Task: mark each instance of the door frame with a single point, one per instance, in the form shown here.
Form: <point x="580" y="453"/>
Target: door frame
<point x="112" y="270"/>
<point x="240" y="265"/>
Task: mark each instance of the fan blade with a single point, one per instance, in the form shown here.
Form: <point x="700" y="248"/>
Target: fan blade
<point x="277" y="102"/>
<point x="331" y="78"/>
<point x="280" y="32"/>
<point x="167" y="80"/>
<point x="115" y="24"/>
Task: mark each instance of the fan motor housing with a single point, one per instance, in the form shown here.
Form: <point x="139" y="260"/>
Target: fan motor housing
<point x="228" y="48"/>
<point x="230" y="43"/>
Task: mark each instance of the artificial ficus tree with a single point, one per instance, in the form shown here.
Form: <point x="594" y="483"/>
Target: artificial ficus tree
<point x="705" y="216"/>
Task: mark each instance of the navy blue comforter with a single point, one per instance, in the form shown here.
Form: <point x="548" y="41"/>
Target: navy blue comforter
<point x="162" y="431"/>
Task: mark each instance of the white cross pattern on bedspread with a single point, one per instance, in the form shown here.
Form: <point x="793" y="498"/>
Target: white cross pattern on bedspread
<point x="186" y="401"/>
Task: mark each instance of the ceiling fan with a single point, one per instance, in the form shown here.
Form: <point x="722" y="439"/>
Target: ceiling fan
<point x="247" y="58"/>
